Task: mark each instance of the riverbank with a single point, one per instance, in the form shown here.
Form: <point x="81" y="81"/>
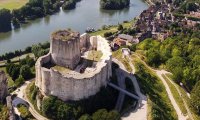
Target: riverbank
<point x="26" y="35"/>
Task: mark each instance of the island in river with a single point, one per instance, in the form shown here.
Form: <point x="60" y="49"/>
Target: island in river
<point x="114" y="4"/>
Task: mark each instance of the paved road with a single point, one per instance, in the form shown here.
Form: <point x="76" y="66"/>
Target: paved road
<point x="21" y="97"/>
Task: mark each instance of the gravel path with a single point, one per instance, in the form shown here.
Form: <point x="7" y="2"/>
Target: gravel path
<point x="175" y="105"/>
<point x="21" y="98"/>
<point x="180" y="94"/>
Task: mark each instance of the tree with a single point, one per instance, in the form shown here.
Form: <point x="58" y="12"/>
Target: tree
<point x="13" y="70"/>
<point x="114" y="4"/>
<point x="103" y="114"/>
<point x="68" y="5"/>
<point x="28" y="49"/>
<point x="177" y="74"/>
<point x="26" y="10"/>
<point x="17" y="15"/>
<point x="16" y="22"/>
<point x="133" y="47"/>
<point x="120" y="27"/>
<point x="196" y="61"/>
<point x="19" y="81"/>
<point x="175" y="62"/>
<point x="100" y="114"/>
<point x="37" y="11"/>
<point x="47" y="105"/>
<point x="176" y="52"/>
<point x="30" y="61"/>
<point x="153" y="57"/>
<point x="36" y="3"/>
<point x="5" y="20"/>
<point x="47" y="4"/>
<point x="108" y="34"/>
<point x="65" y="112"/>
<point x="191" y="6"/>
<point x="35" y="49"/>
<point x="57" y="109"/>
<point x="113" y="115"/>
<point x="25" y="71"/>
<point x="195" y="98"/>
<point x="85" y="117"/>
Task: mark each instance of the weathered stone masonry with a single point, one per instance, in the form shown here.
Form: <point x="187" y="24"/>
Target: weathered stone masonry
<point x="3" y="86"/>
<point x="73" y="85"/>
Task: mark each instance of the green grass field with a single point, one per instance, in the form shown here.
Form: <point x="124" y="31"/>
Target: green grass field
<point x="12" y="4"/>
<point x="113" y="28"/>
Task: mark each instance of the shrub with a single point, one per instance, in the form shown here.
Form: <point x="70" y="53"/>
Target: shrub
<point x="19" y="81"/>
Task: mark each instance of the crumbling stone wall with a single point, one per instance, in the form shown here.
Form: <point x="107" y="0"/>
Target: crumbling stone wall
<point x="3" y="86"/>
<point x="10" y="108"/>
<point x="65" y="52"/>
<point x="74" y="85"/>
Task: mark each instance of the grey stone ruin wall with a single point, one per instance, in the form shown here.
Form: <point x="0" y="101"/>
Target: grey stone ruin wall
<point x="65" y="53"/>
<point x="10" y="108"/>
<point x="3" y="86"/>
<point x="77" y="86"/>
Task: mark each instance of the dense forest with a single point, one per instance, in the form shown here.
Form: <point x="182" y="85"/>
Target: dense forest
<point x="114" y="4"/>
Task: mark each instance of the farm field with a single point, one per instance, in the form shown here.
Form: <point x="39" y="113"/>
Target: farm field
<point x="12" y="4"/>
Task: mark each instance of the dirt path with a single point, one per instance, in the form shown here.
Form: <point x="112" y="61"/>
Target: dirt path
<point x="185" y="104"/>
<point x="169" y="93"/>
<point x="176" y="107"/>
<point x="22" y="97"/>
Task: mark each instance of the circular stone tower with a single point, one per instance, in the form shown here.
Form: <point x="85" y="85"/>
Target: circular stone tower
<point x="65" y="48"/>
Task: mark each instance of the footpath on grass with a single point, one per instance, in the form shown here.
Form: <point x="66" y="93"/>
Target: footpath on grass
<point x="159" y="73"/>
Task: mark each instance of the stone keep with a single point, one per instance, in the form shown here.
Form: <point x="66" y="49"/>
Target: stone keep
<point x="65" y="52"/>
<point x="65" y="48"/>
<point x="3" y="86"/>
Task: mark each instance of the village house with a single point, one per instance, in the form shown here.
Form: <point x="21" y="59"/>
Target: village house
<point x="189" y="23"/>
<point x="123" y="40"/>
<point x="160" y="36"/>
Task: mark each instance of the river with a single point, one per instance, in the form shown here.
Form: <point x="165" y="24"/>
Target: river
<point x="86" y="14"/>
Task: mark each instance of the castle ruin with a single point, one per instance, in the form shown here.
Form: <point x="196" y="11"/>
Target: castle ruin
<point x="3" y="86"/>
<point x="76" y="66"/>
